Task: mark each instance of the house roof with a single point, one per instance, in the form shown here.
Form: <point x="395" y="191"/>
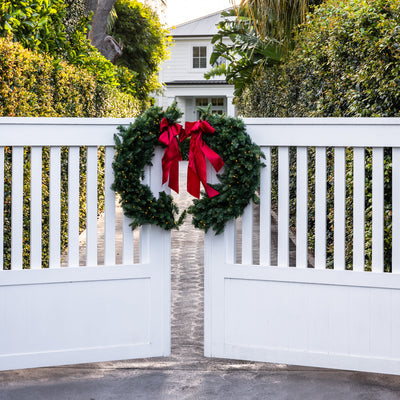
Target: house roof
<point x="203" y="26"/>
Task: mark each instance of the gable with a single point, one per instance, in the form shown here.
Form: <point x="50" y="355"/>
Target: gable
<point x="204" y="26"/>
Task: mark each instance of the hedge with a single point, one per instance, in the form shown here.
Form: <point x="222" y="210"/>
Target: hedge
<point x="34" y="85"/>
<point x="346" y="63"/>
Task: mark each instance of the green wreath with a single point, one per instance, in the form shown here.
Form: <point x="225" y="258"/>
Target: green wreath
<point x="134" y="150"/>
<point x="238" y="182"/>
<point x="240" y="178"/>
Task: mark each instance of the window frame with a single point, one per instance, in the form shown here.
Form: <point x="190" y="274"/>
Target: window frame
<point x="199" y="57"/>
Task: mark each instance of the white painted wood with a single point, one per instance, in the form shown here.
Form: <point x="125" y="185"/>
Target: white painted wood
<point x="320" y="207"/>
<point x="77" y="314"/>
<point x="337" y="132"/>
<point x="36" y="208"/>
<point x="55" y="208"/>
<point x="17" y="207"/>
<point x="340" y="208"/>
<point x="1" y="205"/>
<point x="73" y="206"/>
<point x="358" y="209"/>
<point x="265" y="209"/>
<point x="309" y="316"/>
<point x="301" y="208"/>
<point x="283" y="206"/>
<point x="377" y="209"/>
<point x="127" y="241"/>
<point x="91" y="206"/>
<point x="396" y="210"/>
<point x="305" y="317"/>
<point x="109" y="208"/>
<point x="247" y="235"/>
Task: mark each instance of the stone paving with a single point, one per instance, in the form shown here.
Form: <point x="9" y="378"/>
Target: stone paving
<point x="187" y="374"/>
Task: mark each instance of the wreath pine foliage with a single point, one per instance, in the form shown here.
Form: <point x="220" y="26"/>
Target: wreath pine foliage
<point x="134" y="150"/>
<point x="239" y="180"/>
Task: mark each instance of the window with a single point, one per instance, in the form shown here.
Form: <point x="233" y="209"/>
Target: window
<point x="199" y="57"/>
<point x="218" y="104"/>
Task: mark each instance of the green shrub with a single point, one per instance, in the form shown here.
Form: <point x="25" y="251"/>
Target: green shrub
<point x="32" y="85"/>
<point x="346" y="63"/>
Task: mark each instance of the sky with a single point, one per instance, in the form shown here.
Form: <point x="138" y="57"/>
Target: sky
<point x="179" y="11"/>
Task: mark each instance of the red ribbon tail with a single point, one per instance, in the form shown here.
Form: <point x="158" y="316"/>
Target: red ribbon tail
<point x="193" y="183"/>
<point x="174" y="176"/>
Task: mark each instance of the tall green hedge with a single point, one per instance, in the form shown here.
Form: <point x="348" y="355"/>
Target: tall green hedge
<point x="32" y="85"/>
<point x="346" y="63"/>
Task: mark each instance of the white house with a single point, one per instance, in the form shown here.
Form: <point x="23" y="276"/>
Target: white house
<point x="183" y="73"/>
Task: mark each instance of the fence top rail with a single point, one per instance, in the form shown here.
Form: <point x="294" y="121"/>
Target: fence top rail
<point x="25" y="131"/>
<point x="346" y="132"/>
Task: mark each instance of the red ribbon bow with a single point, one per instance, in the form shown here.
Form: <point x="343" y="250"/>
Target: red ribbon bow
<point x="172" y="155"/>
<point x="197" y="170"/>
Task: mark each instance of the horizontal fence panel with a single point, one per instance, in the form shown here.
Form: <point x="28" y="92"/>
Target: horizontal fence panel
<point x="59" y="131"/>
<point x="326" y="132"/>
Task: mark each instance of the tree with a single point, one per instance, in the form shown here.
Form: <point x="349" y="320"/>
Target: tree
<point x="106" y="44"/>
<point x="144" y="41"/>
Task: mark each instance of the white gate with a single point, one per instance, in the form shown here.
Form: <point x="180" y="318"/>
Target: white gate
<point x="76" y="313"/>
<point x="311" y="313"/>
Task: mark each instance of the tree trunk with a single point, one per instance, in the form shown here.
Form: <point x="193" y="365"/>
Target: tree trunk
<point x="98" y="35"/>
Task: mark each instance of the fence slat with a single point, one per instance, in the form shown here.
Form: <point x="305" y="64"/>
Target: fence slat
<point x="283" y="206"/>
<point x="358" y="209"/>
<point x="247" y="235"/>
<point x="17" y="207"/>
<point x="109" y="208"/>
<point x="396" y="210"/>
<point x="301" y="208"/>
<point x="377" y="209"/>
<point x="91" y="206"/>
<point x="320" y="207"/>
<point x="1" y="207"/>
<point x="265" y="209"/>
<point x="73" y="207"/>
<point x="36" y="208"/>
<point x="55" y="208"/>
<point x="340" y="208"/>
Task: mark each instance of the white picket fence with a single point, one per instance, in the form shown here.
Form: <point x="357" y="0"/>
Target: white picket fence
<point x="81" y="311"/>
<point x="258" y="306"/>
<point x="266" y="310"/>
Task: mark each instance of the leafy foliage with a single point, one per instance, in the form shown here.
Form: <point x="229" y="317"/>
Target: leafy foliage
<point x="345" y="64"/>
<point x="238" y="42"/>
<point x="32" y="85"/>
<point x="239" y="179"/>
<point x="144" y="40"/>
<point x="134" y="150"/>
